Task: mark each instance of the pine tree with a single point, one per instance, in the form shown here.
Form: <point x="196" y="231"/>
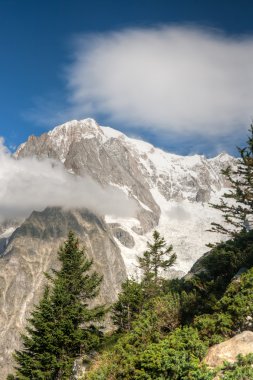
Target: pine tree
<point x="129" y="305"/>
<point x="60" y="328"/>
<point x="237" y="204"/>
<point x="158" y="256"/>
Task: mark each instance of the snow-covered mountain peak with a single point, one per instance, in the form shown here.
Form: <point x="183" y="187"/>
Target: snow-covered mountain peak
<point x="112" y="133"/>
<point x="62" y="136"/>
<point x="89" y="147"/>
<point x="86" y="128"/>
<point x="222" y="157"/>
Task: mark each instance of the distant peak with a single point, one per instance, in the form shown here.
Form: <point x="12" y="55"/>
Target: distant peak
<point x="89" y="121"/>
<point x="223" y="156"/>
<point x="223" y="153"/>
<point x="84" y="123"/>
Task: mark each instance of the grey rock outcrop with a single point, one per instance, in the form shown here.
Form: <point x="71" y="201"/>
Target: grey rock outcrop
<point x="230" y="349"/>
<point x="123" y="236"/>
<point x="32" y="250"/>
<point x="3" y="243"/>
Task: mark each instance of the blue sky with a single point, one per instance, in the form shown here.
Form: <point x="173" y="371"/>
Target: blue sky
<point x="45" y="77"/>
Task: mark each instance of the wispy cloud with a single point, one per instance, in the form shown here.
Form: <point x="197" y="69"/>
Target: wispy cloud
<point x="28" y="184"/>
<point x="186" y="83"/>
<point x="178" y="79"/>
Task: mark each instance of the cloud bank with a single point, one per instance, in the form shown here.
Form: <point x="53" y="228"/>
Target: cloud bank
<point x="29" y="184"/>
<point x="176" y="79"/>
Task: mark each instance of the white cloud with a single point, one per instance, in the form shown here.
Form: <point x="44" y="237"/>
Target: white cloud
<point x="176" y="79"/>
<point x="28" y="184"/>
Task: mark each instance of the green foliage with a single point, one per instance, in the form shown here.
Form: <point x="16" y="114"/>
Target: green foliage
<point x="134" y="295"/>
<point x="157" y="257"/>
<point x="60" y="328"/>
<point x="233" y="313"/>
<point x="129" y="305"/>
<point x="238" y="303"/>
<point x="228" y="257"/>
<point x="240" y="370"/>
<point x="160" y="316"/>
<point x="236" y="214"/>
<point x="201" y="291"/>
<point x="178" y="356"/>
<point x="167" y="309"/>
<point x="213" y="328"/>
<point x="155" y="348"/>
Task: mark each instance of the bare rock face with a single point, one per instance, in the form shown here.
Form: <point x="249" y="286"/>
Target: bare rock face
<point x="230" y="349"/>
<point x="123" y="236"/>
<point x="32" y="250"/>
<point x="84" y="149"/>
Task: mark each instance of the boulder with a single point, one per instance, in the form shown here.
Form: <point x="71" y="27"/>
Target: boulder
<point x="230" y="349"/>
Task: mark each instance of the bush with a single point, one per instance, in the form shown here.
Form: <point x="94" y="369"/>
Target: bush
<point x="240" y="370"/>
<point x="214" y="327"/>
<point x="238" y="303"/>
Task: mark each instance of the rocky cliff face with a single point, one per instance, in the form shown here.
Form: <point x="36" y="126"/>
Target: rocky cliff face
<point x="32" y="250"/>
<point x="172" y="193"/>
<point x="85" y="149"/>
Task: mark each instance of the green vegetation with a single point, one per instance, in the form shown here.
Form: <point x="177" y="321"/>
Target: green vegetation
<point x="241" y="370"/>
<point x="61" y="327"/>
<point x="129" y="305"/>
<point x="135" y="295"/>
<point x="237" y="214"/>
<point x="156" y="258"/>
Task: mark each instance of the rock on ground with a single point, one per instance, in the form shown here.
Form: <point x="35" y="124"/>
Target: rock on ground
<point x="230" y="349"/>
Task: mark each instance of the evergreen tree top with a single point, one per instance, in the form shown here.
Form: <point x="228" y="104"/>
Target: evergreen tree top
<point x="158" y="256"/>
<point x="61" y="327"/>
<point x="236" y="205"/>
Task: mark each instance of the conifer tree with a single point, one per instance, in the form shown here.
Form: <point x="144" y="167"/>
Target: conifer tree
<point x="158" y="256"/>
<point x="60" y="328"/>
<point x="237" y="204"/>
<point x="134" y="295"/>
<point x="128" y="305"/>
